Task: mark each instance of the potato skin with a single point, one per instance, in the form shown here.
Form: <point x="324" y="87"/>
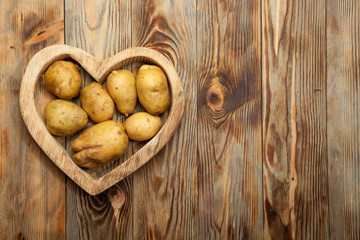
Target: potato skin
<point x="64" y="118"/>
<point x="152" y="89"/>
<point x="142" y="126"/>
<point x="96" y="101"/>
<point x="100" y="144"/>
<point x="122" y="89"/>
<point x="63" y="79"/>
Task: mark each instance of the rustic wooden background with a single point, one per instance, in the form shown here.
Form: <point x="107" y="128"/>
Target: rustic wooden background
<point x="269" y="145"/>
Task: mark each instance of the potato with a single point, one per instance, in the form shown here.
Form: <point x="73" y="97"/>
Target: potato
<point x="121" y="87"/>
<point x="96" y="101"/>
<point x="142" y="126"/>
<point x="63" y="79"/>
<point x="152" y="89"/>
<point x="64" y="118"/>
<point x="100" y="144"/>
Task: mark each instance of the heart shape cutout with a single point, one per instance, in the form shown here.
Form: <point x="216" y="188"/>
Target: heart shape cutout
<point x="99" y="71"/>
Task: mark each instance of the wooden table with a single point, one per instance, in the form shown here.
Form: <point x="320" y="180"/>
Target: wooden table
<point x="269" y="145"/>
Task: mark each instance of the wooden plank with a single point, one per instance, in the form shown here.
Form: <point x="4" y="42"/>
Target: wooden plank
<point x="229" y="119"/>
<point x="32" y="204"/>
<point x="102" y="28"/>
<point x="294" y="119"/>
<point x="343" y="117"/>
<point x="165" y="189"/>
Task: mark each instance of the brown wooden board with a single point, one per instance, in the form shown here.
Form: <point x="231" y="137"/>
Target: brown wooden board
<point x="269" y="144"/>
<point x="229" y="119"/>
<point x="343" y="117"/>
<point x="32" y="196"/>
<point x="165" y="189"/>
<point x="102" y="28"/>
<point x="294" y="119"/>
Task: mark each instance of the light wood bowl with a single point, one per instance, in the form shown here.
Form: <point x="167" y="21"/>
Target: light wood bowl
<point x="29" y="105"/>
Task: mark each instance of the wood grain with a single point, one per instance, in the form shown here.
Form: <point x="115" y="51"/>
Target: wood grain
<point x="229" y="119"/>
<point x="165" y="189"/>
<point x="269" y="145"/>
<point x="343" y="117"/>
<point x="101" y="28"/>
<point x="294" y="119"/>
<point x="32" y="204"/>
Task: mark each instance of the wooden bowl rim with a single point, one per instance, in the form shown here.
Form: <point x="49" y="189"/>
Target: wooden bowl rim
<point x="98" y="70"/>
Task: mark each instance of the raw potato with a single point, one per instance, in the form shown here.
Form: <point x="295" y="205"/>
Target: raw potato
<point x="63" y="79"/>
<point x="64" y="118"/>
<point x="152" y="89"/>
<point x="100" y="144"/>
<point x="96" y="101"/>
<point x="142" y="126"/>
<point x="121" y="87"/>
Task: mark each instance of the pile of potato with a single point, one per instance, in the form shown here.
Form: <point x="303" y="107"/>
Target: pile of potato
<point x="107" y="139"/>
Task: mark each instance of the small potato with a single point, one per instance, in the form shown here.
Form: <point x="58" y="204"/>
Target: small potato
<point x="64" y="118"/>
<point x="100" y="144"/>
<point x="142" y="126"/>
<point x="96" y="101"/>
<point x="63" y="79"/>
<point x="121" y="87"/>
<point x="152" y="89"/>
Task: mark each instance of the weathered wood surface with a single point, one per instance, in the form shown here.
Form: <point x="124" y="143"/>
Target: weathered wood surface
<point x="229" y="119"/>
<point x="169" y="181"/>
<point x="294" y="119"/>
<point x="269" y="145"/>
<point x="32" y="193"/>
<point x="101" y="28"/>
<point x="343" y="117"/>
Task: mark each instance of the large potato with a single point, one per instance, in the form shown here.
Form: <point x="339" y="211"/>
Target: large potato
<point x="121" y="86"/>
<point x="142" y="126"/>
<point x="64" y="118"/>
<point x="96" y="101"/>
<point x="100" y="144"/>
<point x="152" y="89"/>
<point x="63" y="79"/>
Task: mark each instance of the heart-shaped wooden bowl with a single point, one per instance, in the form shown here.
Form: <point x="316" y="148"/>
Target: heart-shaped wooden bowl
<point x="99" y="71"/>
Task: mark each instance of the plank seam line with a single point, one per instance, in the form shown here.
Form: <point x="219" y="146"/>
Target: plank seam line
<point x="326" y="117"/>
<point x="261" y="115"/>
<point x="197" y="118"/>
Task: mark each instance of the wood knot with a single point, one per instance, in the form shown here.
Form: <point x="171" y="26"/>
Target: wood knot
<point x="223" y="94"/>
<point x="30" y="21"/>
<point x="20" y="236"/>
<point x="116" y="197"/>
<point x="215" y="96"/>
